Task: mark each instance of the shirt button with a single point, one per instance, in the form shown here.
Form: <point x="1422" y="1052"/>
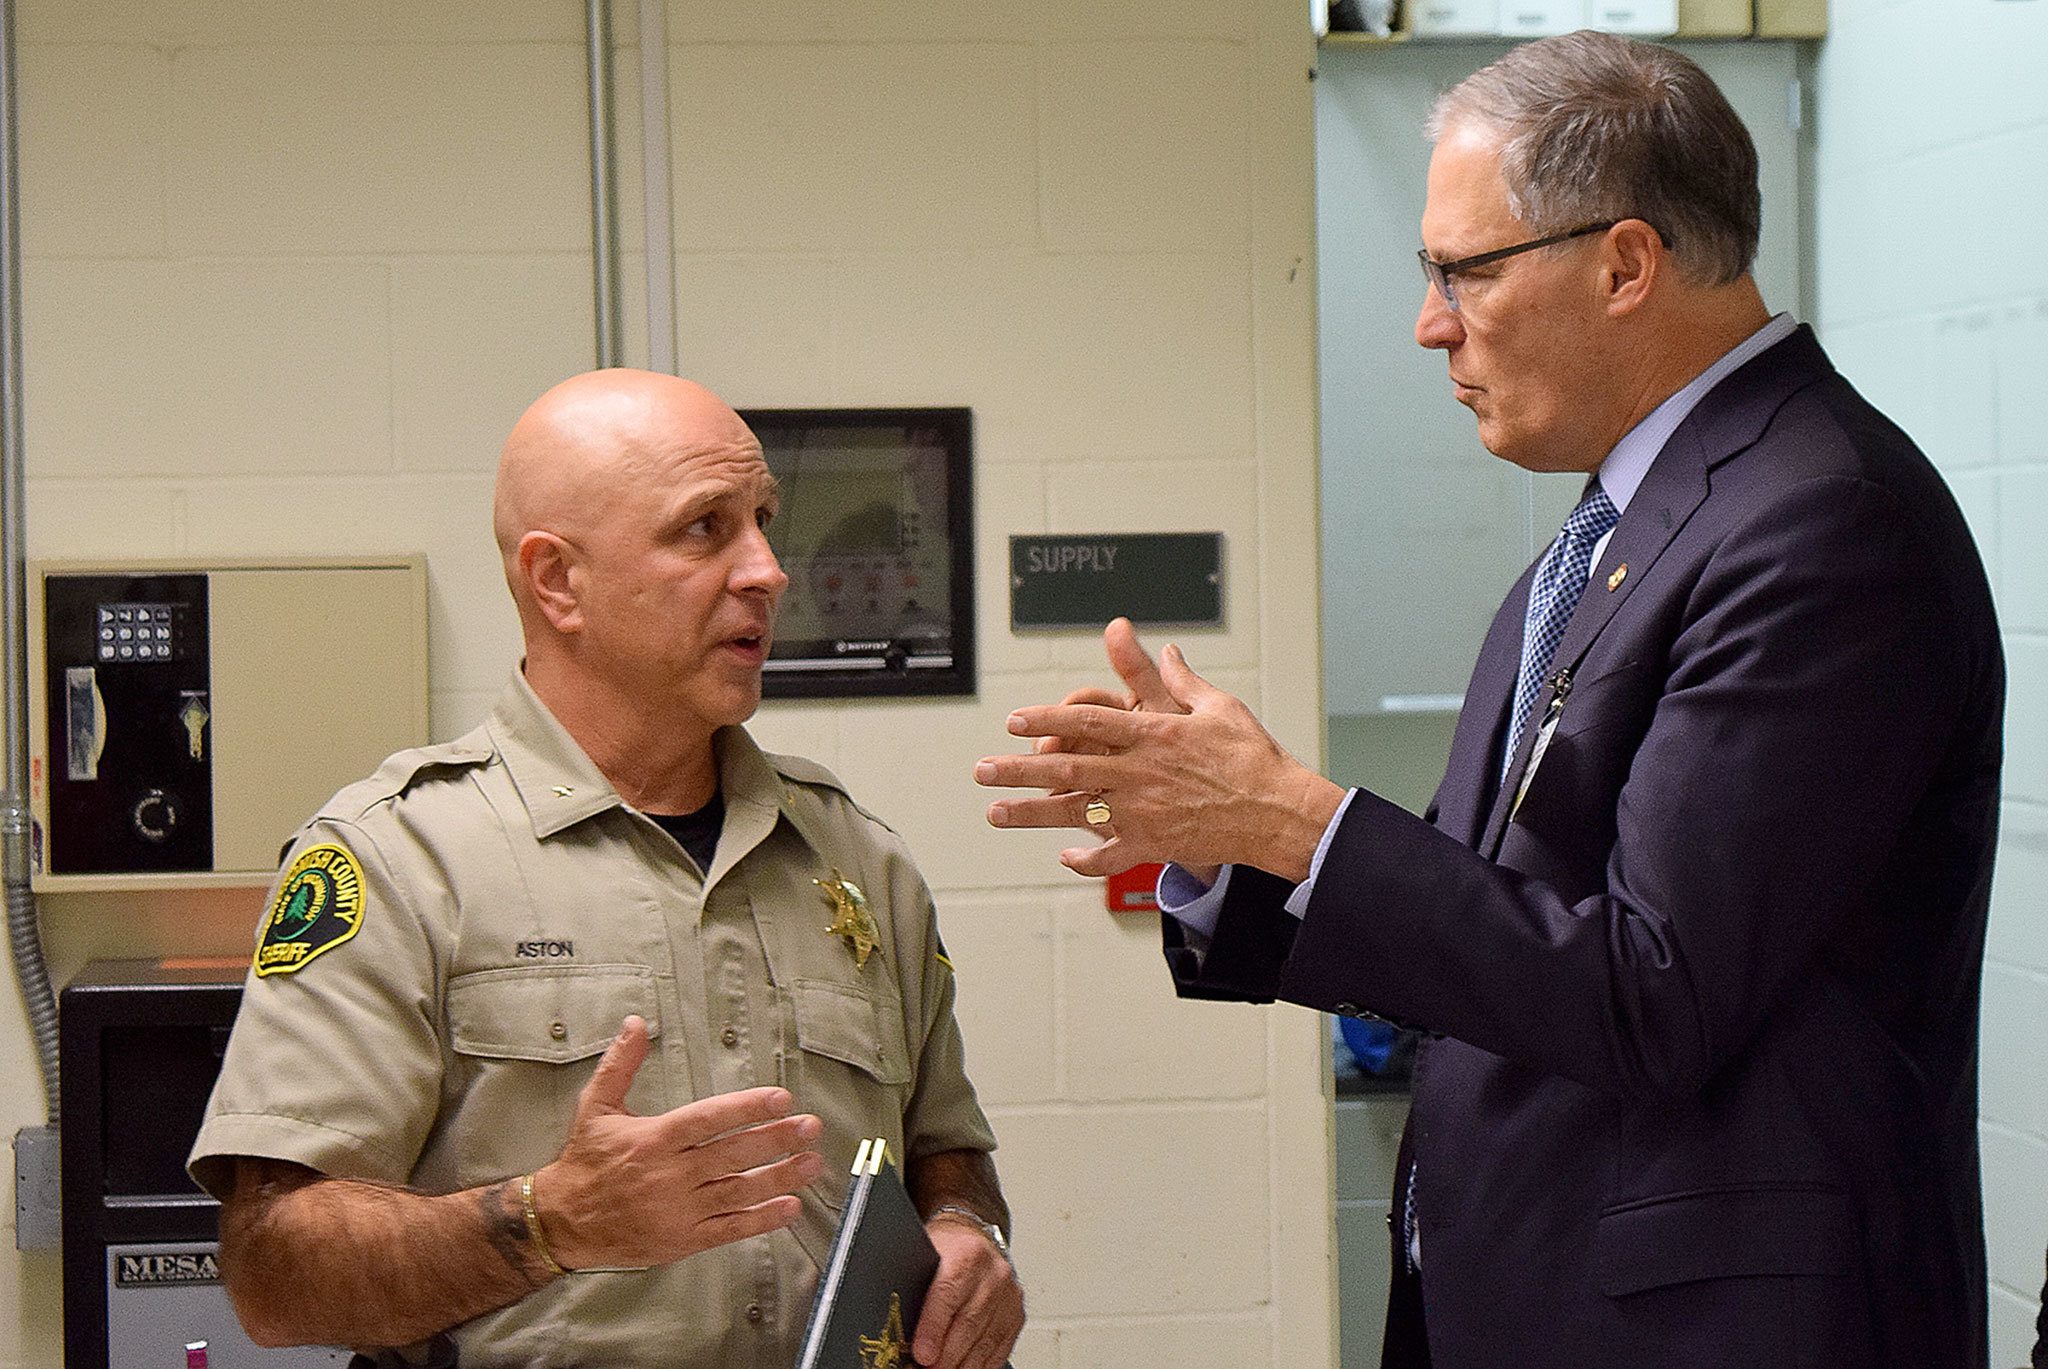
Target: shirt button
<point x="559" y="1030"/>
<point x="729" y="1036"/>
<point x="754" y="1312"/>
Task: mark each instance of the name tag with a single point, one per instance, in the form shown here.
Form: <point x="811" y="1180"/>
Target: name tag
<point x="1560" y="689"/>
<point x="1543" y="735"/>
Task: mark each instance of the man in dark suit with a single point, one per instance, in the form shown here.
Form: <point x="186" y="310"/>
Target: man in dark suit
<point x="1695" y="921"/>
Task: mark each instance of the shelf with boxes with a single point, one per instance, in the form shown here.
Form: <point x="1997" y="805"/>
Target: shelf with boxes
<point x="1471" y="20"/>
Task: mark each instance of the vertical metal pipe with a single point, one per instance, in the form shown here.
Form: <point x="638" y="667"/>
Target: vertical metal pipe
<point x="659" y="212"/>
<point x="604" y="229"/>
<point x="10" y="413"/>
<point x="24" y="930"/>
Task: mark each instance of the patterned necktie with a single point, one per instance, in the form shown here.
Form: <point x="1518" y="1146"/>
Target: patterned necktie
<point x="1560" y="580"/>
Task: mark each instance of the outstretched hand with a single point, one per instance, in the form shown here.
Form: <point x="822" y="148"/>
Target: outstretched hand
<point x="630" y="1191"/>
<point x="1188" y="772"/>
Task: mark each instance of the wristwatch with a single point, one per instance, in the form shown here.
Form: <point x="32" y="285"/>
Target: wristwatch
<point x="988" y="1228"/>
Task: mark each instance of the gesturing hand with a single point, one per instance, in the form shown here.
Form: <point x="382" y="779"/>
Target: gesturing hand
<point x="1189" y="773"/>
<point x="630" y="1191"/>
<point x="1146" y="691"/>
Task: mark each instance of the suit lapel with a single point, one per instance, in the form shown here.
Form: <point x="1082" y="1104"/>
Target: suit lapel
<point x="1727" y="419"/>
<point x="1675" y="485"/>
<point x="1469" y="776"/>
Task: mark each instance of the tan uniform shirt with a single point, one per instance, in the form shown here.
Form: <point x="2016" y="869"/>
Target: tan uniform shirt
<point x="425" y="1009"/>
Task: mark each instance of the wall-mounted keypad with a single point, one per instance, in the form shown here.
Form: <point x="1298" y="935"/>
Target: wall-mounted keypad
<point x="134" y="632"/>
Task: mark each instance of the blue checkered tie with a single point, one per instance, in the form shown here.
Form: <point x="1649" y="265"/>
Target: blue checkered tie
<point x="1560" y="580"/>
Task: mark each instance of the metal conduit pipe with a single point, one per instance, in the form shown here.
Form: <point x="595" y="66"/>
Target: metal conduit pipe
<point x="604" y="228"/>
<point x="24" y="927"/>
<point x="654" y="181"/>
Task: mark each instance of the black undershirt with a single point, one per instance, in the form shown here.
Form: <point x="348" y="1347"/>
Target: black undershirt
<point x="696" y="832"/>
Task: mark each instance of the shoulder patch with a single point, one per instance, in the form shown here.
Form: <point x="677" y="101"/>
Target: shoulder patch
<point x="319" y="905"/>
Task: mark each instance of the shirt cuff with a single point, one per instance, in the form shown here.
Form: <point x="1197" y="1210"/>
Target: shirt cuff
<point x="1297" y="902"/>
<point x="1183" y="898"/>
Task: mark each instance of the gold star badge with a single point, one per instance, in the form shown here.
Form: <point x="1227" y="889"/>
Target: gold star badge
<point x="890" y="1350"/>
<point x="1614" y="580"/>
<point x="850" y="917"/>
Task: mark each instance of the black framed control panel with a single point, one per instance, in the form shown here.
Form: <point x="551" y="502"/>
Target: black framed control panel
<point x="876" y="533"/>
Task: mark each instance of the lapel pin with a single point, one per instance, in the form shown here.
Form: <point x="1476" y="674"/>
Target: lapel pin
<point x="563" y="791"/>
<point x="1614" y="580"/>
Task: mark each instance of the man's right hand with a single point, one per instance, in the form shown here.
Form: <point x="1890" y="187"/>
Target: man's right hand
<point x="315" y="1260"/>
<point x="1145" y="692"/>
<point x="629" y="1191"/>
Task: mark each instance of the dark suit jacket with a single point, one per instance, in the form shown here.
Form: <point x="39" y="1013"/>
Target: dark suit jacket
<point x="2040" y="1356"/>
<point x="1701" y="1087"/>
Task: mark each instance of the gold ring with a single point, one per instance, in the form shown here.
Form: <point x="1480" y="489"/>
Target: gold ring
<point x="1098" y="812"/>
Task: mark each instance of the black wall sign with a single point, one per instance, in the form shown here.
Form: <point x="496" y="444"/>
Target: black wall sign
<point x="1084" y="581"/>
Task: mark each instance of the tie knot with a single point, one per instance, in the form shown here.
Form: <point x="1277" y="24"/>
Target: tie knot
<point x="1592" y="518"/>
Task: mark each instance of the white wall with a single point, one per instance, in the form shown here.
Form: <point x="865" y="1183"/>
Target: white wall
<point x="1931" y="267"/>
<point x="292" y="270"/>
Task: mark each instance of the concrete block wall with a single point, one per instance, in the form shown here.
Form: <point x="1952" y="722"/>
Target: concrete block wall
<point x="291" y="270"/>
<point x="1931" y="127"/>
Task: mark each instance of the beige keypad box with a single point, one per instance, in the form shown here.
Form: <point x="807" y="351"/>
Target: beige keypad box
<point x="317" y="670"/>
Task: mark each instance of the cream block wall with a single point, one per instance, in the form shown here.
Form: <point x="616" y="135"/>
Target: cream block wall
<point x="1083" y="358"/>
<point x="293" y="268"/>
<point x="1929" y="132"/>
<point x="165" y="346"/>
<point x="886" y="146"/>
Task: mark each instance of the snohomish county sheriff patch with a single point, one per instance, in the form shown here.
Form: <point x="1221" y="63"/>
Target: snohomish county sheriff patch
<point x="319" y="905"/>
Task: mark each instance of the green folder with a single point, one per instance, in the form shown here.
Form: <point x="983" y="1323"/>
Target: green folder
<point x="874" y="1283"/>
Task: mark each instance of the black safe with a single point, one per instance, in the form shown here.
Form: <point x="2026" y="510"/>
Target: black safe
<point x="127" y="676"/>
<point x="140" y="1046"/>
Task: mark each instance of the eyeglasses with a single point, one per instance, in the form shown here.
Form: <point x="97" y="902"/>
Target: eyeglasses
<point x="1439" y="273"/>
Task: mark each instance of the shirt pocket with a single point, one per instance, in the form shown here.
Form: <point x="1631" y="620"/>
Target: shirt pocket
<point x="850" y="1068"/>
<point x="525" y="1042"/>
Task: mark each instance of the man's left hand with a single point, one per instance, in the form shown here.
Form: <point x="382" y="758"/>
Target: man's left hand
<point x="975" y="1308"/>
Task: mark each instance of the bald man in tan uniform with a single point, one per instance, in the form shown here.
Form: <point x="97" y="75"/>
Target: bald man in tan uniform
<point x="530" y="1010"/>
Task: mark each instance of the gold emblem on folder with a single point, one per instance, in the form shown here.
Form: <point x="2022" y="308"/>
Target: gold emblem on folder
<point x="889" y="1350"/>
<point x="1614" y="580"/>
<point x="850" y="917"/>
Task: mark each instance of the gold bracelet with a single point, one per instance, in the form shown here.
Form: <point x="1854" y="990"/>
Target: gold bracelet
<point x="540" y="1242"/>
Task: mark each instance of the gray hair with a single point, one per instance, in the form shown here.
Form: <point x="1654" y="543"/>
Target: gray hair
<point x="1593" y="127"/>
